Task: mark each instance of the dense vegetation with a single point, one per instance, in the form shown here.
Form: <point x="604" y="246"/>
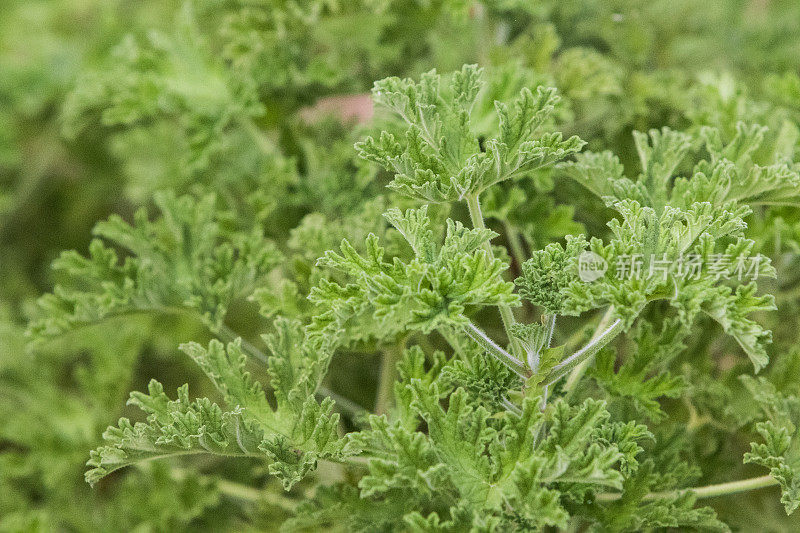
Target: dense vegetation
<point x="545" y="276"/>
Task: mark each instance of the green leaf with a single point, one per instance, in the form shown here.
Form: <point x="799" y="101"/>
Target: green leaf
<point x="182" y="261"/>
<point x="292" y="437"/>
<point x="430" y="291"/>
<point x="780" y="449"/>
<point x="174" y="427"/>
<point x="440" y="158"/>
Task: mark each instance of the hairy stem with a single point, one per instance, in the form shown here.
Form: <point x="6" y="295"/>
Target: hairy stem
<point x="551" y="327"/>
<point x="585" y="353"/>
<point x="385" y="394"/>
<point x="485" y="342"/>
<point x="515" y="241"/>
<point x="576" y="373"/>
<point x="506" y="315"/>
<point x="708" y="491"/>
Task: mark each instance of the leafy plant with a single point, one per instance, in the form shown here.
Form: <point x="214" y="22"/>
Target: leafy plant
<point x="553" y="292"/>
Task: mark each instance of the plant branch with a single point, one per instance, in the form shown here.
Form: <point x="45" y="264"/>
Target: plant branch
<point x="707" y="491"/>
<point x="551" y="327"/>
<point x="264" y="143"/>
<point x="229" y="335"/>
<point x="385" y="394"/>
<point x="485" y="342"/>
<point x="576" y="373"/>
<point x="242" y="492"/>
<point x="476" y="216"/>
<point x="585" y="353"/>
<point x="515" y="242"/>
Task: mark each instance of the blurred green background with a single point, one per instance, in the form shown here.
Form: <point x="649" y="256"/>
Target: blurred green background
<point x="105" y="103"/>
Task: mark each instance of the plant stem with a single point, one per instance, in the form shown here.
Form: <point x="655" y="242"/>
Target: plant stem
<point x="506" y="315"/>
<point x="551" y="327"/>
<point x="242" y="492"/>
<point x="346" y="405"/>
<point x="482" y="339"/>
<point x="260" y="138"/>
<point x="708" y="491"/>
<point x="578" y="371"/>
<point x="514" y="240"/>
<point x="229" y="335"/>
<point x="385" y="394"/>
<point x="584" y="354"/>
<point x="510" y="406"/>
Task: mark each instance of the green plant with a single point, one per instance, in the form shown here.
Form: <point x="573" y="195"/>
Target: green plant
<point x="553" y="292"/>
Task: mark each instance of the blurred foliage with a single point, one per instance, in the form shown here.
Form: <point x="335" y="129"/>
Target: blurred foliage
<point x="175" y="147"/>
